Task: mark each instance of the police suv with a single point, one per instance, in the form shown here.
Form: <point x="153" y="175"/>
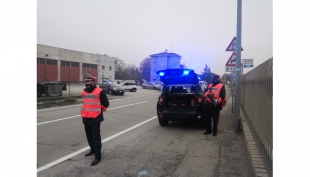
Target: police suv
<point x="181" y="98"/>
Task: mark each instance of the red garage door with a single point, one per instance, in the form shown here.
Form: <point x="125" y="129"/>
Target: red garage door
<point x="47" y="70"/>
<point x="90" y="69"/>
<point x="70" y="71"/>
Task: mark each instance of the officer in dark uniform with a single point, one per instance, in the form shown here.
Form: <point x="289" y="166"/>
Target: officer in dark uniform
<point x="95" y="102"/>
<point x="215" y="95"/>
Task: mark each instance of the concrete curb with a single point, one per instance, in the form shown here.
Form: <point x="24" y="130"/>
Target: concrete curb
<point x="258" y="167"/>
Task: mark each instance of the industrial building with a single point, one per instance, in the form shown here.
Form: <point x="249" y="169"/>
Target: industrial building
<point x="57" y="64"/>
<point x="162" y="61"/>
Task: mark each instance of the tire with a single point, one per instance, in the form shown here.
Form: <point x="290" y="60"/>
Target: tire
<point x="163" y="122"/>
<point x="143" y="87"/>
<point x="110" y="92"/>
<point x="39" y="90"/>
<point x="154" y="88"/>
<point x="134" y="90"/>
<point x="123" y="93"/>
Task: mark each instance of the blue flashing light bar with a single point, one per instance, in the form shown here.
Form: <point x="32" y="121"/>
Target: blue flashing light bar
<point x="161" y="73"/>
<point x="185" y="72"/>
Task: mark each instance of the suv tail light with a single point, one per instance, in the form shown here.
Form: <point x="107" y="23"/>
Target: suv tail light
<point x="199" y="99"/>
<point x="161" y="99"/>
<point x="192" y="103"/>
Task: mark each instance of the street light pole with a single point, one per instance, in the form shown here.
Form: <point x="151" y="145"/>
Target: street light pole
<point x="237" y="71"/>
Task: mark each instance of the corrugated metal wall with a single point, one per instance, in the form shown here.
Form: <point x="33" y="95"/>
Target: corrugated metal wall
<point x="257" y="106"/>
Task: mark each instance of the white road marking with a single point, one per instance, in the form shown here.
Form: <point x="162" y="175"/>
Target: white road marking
<point x="84" y="149"/>
<point x="80" y="115"/>
<point x="47" y="109"/>
<point x="108" y="117"/>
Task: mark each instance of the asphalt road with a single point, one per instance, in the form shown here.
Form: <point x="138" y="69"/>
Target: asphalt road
<point x="134" y="144"/>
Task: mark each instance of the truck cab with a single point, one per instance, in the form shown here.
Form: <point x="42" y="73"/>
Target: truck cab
<point x="181" y="98"/>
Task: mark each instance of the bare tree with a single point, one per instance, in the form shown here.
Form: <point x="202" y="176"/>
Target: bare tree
<point x="145" y="69"/>
<point x="206" y="74"/>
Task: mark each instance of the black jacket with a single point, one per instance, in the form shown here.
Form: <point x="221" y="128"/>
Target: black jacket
<point x="103" y="100"/>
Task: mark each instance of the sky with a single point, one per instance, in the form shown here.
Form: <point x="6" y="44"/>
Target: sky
<point x="199" y="31"/>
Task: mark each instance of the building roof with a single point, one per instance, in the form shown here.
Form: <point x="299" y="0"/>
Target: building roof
<point x="165" y="54"/>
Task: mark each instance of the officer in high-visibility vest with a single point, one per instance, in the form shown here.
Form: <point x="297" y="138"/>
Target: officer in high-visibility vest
<point x="95" y="102"/>
<point x="215" y="100"/>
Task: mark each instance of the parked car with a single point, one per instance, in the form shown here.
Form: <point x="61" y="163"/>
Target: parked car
<point x="160" y="85"/>
<point x="131" y="86"/>
<point x="112" y="88"/>
<point x="150" y="85"/>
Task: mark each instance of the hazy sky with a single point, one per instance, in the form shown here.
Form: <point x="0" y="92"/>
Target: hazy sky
<point x="198" y="30"/>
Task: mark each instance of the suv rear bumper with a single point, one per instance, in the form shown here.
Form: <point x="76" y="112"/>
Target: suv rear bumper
<point x="190" y="115"/>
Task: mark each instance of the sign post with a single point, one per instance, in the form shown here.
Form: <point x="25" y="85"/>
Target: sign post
<point x="237" y="71"/>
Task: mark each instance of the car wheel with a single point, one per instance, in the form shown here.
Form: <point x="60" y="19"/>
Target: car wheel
<point x="154" y="88"/>
<point x="143" y="87"/>
<point x="110" y="92"/>
<point x="134" y="90"/>
<point x="163" y="122"/>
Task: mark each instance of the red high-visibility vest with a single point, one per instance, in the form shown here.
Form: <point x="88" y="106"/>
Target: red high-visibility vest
<point x="216" y="90"/>
<point x="91" y="107"/>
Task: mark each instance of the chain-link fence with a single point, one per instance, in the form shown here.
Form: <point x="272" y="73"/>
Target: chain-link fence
<point x="256" y="104"/>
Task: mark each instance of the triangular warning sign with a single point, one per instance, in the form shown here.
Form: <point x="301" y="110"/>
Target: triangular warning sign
<point x="232" y="60"/>
<point x="233" y="45"/>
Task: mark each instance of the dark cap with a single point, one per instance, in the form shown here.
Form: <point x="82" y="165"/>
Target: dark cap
<point x="215" y="75"/>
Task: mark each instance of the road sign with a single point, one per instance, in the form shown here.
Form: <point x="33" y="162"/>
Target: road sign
<point x="230" y="68"/>
<point x="248" y="63"/>
<point x="233" y="45"/>
<point x="232" y="60"/>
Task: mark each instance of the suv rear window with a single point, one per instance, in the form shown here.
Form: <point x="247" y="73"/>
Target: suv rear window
<point x="178" y="76"/>
<point x="179" y="89"/>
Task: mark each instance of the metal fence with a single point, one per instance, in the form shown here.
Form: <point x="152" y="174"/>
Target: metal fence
<point x="256" y="104"/>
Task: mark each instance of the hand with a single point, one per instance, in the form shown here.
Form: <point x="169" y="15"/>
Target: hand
<point x="210" y="95"/>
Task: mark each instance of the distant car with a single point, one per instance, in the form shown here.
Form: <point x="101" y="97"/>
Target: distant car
<point x="131" y="86"/>
<point x="160" y="85"/>
<point x="151" y="85"/>
<point x="112" y="88"/>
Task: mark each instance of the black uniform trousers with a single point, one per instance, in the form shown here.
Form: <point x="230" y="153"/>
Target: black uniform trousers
<point x="94" y="138"/>
<point x="215" y="115"/>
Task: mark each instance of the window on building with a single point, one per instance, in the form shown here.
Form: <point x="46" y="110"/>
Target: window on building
<point x="85" y="65"/>
<point x="110" y="68"/>
<point x="93" y="66"/>
<point x="51" y="62"/>
<point x="75" y="64"/>
<point x="65" y="63"/>
<point x="40" y="61"/>
<point x="103" y="67"/>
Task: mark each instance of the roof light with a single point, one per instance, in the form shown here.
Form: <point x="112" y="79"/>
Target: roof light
<point x="161" y="73"/>
<point x="185" y="72"/>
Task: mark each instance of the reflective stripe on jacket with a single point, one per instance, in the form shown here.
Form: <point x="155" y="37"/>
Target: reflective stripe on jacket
<point x="91" y="107"/>
<point x="216" y="90"/>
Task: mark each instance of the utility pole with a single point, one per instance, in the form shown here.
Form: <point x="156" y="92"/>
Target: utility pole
<point x="237" y="71"/>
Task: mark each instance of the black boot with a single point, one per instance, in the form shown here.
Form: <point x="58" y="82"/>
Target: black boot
<point x="206" y="133"/>
<point x="89" y="153"/>
<point x="95" y="162"/>
<point x="214" y="134"/>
